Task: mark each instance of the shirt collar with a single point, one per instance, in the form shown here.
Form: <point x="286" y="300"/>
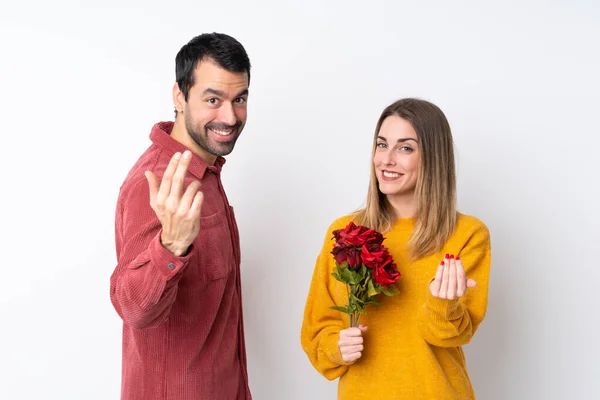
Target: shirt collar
<point x="161" y="136"/>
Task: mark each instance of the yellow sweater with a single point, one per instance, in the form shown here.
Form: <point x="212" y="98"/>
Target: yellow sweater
<point x="412" y="349"/>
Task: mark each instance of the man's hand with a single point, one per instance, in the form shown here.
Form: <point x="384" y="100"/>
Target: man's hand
<point x="179" y="214"/>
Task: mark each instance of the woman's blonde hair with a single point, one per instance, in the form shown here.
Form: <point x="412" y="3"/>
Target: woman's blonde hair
<point x="436" y="183"/>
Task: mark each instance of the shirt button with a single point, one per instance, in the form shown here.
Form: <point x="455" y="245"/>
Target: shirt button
<point x="171" y="266"/>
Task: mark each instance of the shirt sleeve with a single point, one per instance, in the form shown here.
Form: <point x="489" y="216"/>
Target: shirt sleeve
<point x="143" y="286"/>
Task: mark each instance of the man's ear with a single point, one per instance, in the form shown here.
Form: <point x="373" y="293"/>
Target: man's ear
<point x="178" y="98"/>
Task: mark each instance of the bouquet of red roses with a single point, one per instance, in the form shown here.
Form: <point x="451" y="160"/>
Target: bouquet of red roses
<point x="365" y="266"/>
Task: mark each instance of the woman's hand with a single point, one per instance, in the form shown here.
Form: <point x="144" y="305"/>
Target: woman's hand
<point x="450" y="281"/>
<point x="351" y="343"/>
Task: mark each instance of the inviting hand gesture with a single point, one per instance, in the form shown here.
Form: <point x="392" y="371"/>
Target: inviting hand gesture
<point x="450" y="281"/>
<point x="179" y="214"/>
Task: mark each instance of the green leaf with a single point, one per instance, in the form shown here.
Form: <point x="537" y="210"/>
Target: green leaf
<point x="361" y="309"/>
<point x="390" y="290"/>
<point x="372" y="290"/>
<point x="364" y="272"/>
<point x="356" y="299"/>
<point x="349" y="276"/>
<point x="371" y="302"/>
<point x="337" y="276"/>
<point x="343" y="309"/>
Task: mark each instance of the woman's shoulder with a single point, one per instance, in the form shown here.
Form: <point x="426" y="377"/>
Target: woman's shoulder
<point x="471" y="225"/>
<point x="341" y="222"/>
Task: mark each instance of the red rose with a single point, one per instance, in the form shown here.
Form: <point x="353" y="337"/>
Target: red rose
<point x="386" y="274"/>
<point x="347" y="254"/>
<point x="354" y="235"/>
<point x="371" y="237"/>
<point x="373" y="255"/>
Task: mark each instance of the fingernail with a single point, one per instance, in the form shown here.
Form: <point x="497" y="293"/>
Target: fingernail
<point x="457" y="258"/>
<point x="451" y="256"/>
<point x="187" y="154"/>
<point x="442" y="263"/>
<point x="177" y="155"/>
<point x="447" y="256"/>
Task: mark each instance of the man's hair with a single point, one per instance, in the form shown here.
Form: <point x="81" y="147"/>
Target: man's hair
<point x="223" y="49"/>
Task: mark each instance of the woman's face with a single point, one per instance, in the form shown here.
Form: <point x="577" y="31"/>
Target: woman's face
<point x="396" y="158"/>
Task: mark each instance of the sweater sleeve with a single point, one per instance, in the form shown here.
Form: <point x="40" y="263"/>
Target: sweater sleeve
<point x="321" y="325"/>
<point x="451" y="323"/>
<point x="143" y="286"/>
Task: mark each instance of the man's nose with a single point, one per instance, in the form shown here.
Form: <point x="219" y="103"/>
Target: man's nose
<point x="227" y="114"/>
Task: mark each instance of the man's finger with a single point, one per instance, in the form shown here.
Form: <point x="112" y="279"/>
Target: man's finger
<point x="196" y="206"/>
<point x="179" y="175"/>
<point x="165" y="183"/>
<point x="185" y="205"/>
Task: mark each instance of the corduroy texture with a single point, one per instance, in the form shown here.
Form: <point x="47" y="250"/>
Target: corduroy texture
<point x="183" y="333"/>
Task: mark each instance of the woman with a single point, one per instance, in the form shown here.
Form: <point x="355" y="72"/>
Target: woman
<point x="412" y="346"/>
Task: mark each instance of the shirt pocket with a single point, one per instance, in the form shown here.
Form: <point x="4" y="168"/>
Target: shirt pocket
<point x="214" y="251"/>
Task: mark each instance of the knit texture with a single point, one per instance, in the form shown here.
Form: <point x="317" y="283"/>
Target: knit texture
<point x="412" y="348"/>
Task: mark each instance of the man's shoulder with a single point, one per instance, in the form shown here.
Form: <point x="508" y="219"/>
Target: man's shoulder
<point x="148" y="161"/>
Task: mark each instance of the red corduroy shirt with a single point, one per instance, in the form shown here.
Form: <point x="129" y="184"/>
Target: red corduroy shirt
<point x="183" y="336"/>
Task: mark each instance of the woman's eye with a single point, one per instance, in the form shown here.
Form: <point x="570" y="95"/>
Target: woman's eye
<point x="406" y="149"/>
<point x="381" y="145"/>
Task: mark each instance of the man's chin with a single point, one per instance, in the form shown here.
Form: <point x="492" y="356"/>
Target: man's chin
<point x="221" y="149"/>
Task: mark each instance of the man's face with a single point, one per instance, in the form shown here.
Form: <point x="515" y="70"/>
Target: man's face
<point x="215" y="112"/>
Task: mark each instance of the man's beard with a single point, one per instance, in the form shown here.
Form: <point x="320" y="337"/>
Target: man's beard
<point x="200" y="136"/>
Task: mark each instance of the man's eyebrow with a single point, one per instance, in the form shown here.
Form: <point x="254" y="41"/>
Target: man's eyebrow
<point x="242" y="93"/>
<point x="220" y="93"/>
<point x="216" y="92"/>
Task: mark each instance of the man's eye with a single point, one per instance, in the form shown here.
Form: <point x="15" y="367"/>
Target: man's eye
<point x="212" y="100"/>
<point x="240" y="100"/>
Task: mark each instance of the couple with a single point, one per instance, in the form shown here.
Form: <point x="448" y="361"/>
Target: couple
<point x="177" y="282"/>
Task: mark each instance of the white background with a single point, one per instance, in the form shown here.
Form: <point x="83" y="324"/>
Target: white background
<point x="518" y="81"/>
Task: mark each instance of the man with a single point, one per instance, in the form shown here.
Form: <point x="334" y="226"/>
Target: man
<point x="177" y="282"/>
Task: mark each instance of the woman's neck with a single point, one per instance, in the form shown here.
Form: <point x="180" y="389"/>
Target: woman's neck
<point x="405" y="205"/>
